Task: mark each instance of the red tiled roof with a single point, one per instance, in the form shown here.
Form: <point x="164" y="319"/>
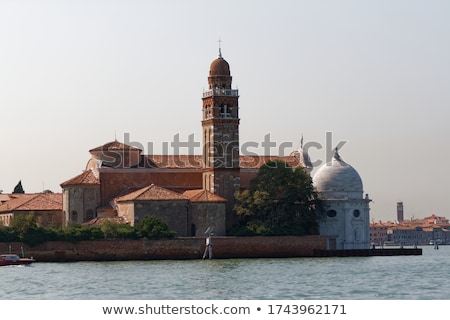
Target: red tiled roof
<point x="114" y="145"/>
<point x="383" y="224"/>
<point x="192" y="161"/>
<point x="152" y="192"/>
<point x="172" y="161"/>
<point x="196" y="161"/>
<point x="201" y="195"/>
<point x="257" y="161"/>
<point x="33" y="202"/>
<point x="87" y="177"/>
<point x="403" y="227"/>
<point x="4" y="198"/>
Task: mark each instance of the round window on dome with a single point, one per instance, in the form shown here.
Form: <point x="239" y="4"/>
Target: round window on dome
<point x="356" y="213"/>
<point x="331" y="213"/>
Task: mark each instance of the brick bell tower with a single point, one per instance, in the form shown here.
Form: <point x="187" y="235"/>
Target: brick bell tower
<point x="220" y="126"/>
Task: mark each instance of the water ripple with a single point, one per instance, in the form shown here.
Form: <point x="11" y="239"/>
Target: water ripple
<point x="353" y="278"/>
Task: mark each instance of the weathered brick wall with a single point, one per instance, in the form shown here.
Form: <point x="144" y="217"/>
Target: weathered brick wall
<point x="261" y="247"/>
<point x="206" y="214"/>
<point x="175" y="249"/>
<point x="173" y="212"/>
<point x="188" y="248"/>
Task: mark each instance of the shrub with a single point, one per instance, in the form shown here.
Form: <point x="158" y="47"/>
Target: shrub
<point x="116" y="230"/>
<point x="153" y="228"/>
<point x="25" y="228"/>
<point x="76" y="232"/>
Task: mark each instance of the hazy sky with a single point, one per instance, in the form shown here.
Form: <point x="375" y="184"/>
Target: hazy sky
<point x="376" y="74"/>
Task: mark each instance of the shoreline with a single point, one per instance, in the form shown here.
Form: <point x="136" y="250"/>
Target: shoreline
<point x="191" y="248"/>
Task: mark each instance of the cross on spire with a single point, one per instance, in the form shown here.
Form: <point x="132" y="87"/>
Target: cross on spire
<point x="220" y="49"/>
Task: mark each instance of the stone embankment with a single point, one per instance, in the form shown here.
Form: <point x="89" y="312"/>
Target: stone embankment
<point x="369" y="252"/>
<point x="190" y="248"/>
<point x="169" y="249"/>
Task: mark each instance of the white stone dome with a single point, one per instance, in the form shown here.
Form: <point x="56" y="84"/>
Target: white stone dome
<point x="338" y="180"/>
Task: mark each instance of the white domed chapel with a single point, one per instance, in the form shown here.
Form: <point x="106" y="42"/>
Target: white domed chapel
<point x="346" y="221"/>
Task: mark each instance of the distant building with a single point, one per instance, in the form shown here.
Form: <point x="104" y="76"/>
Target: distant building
<point x="188" y="192"/>
<point x="379" y="232"/>
<point x="405" y="235"/>
<point x="432" y="229"/>
<point x="46" y="207"/>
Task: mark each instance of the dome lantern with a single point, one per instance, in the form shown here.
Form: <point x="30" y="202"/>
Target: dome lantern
<point x="219" y="73"/>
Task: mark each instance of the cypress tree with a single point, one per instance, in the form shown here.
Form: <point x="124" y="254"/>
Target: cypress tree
<point x="18" y="188"/>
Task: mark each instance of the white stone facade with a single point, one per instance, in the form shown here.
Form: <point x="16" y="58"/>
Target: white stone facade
<point x="346" y="222"/>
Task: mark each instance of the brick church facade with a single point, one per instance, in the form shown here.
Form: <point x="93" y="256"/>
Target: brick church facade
<point x="189" y="192"/>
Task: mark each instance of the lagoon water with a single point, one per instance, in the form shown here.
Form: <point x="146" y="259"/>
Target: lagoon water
<point x="350" y="278"/>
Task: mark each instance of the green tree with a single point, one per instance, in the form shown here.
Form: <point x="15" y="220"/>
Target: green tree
<point x="280" y="201"/>
<point x="26" y="229"/>
<point x="7" y="234"/>
<point x="18" y="188"/>
<point x="23" y="224"/>
<point x="153" y="228"/>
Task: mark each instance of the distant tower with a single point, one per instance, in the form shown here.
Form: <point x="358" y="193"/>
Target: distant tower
<point x="220" y="126"/>
<point x="399" y="211"/>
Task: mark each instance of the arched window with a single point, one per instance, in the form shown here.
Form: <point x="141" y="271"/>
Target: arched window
<point x="356" y="213"/>
<point x="225" y="111"/>
<point x="208" y="112"/>
<point x="89" y="215"/>
<point x="74" y="216"/>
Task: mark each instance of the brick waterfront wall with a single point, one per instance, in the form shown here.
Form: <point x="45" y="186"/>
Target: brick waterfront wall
<point x="170" y="249"/>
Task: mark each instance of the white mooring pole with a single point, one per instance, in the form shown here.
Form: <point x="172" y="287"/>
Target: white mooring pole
<point x="208" y="246"/>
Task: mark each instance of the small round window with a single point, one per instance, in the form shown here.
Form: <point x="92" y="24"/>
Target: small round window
<point x="356" y="213"/>
<point x="331" y="213"/>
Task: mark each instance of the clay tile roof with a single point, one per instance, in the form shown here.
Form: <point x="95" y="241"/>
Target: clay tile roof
<point x="114" y="145"/>
<point x="4" y="197"/>
<point x="33" y="202"/>
<point x="405" y="227"/>
<point x="87" y="177"/>
<point x="173" y="161"/>
<point x="258" y="161"/>
<point x="196" y="161"/>
<point x="202" y="195"/>
<point x="153" y="193"/>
